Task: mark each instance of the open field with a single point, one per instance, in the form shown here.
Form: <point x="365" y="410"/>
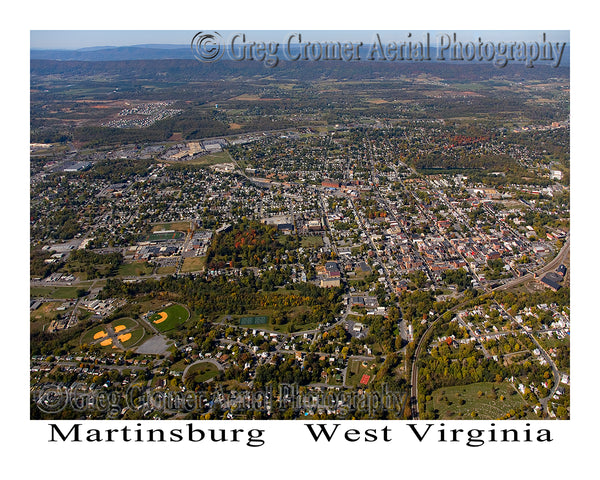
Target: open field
<point x="135" y="269"/>
<point x="312" y="241"/>
<point x="269" y="314"/>
<point x="193" y="264"/>
<point x="203" y="371"/>
<point x="490" y="400"/>
<point x="43" y="315"/>
<point x="166" y="270"/>
<point x="55" y="292"/>
<point x="179" y="226"/>
<point x="209" y="159"/>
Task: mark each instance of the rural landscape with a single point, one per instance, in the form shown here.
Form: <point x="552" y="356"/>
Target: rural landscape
<point x="319" y="240"/>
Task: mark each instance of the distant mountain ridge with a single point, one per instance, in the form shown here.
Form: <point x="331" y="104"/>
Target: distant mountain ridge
<point x="181" y="52"/>
<point x="103" y="54"/>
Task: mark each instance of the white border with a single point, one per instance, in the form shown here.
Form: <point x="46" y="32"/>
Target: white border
<point x="288" y="454"/>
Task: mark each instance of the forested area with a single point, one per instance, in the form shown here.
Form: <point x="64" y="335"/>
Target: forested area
<point x="212" y="298"/>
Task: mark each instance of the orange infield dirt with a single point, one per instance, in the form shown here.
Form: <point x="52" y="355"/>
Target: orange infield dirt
<point x="118" y="328"/>
<point x="106" y="342"/>
<point x="163" y="317"/>
<point x="100" y="334"/>
<point x="124" y="337"/>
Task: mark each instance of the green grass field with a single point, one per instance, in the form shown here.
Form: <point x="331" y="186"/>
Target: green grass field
<point x="490" y="400"/>
<point x="88" y="336"/>
<point x="159" y="236"/>
<point x="136" y="337"/>
<point x="203" y="371"/>
<point x="292" y="314"/>
<point x="176" y="315"/>
<point x="312" y="241"/>
<point x="127" y="322"/>
<point x="131" y="326"/>
<point x="135" y="269"/>
<point x="55" y="292"/>
<point x="170" y="269"/>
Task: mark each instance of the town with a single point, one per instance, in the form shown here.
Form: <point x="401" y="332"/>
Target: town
<point x="424" y="258"/>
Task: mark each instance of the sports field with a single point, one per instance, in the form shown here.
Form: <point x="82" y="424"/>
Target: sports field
<point x="169" y="317"/>
<point x="125" y="330"/>
<point x="162" y="236"/>
<point x="94" y="335"/>
<point x="123" y="324"/>
<point x="259" y="320"/>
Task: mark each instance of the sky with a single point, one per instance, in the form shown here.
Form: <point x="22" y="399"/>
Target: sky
<point x="75" y="39"/>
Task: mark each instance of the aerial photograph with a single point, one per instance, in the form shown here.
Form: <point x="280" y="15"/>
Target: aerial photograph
<point x="299" y="225"/>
